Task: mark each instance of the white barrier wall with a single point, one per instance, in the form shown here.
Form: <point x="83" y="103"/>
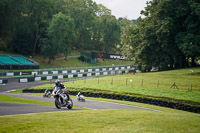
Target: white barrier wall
<point x="55" y="72"/>
<point x="49" y="77"/>
<point x="89" y="74"/>
<point x="89" y="70"/>
<point x="82" y="71"/>
<point x="64" y="71"/>
<point x="97" y="74"/>
<point x="105" y="73"/>
<point x="45" y="73"/>
<point x="80" y="75"/>
<point x="10" y="74"/>
<point x="37" y="78"/>
<point x="110" y="71"/>
<point x="73" y="71"/>
<point x="70" y="76"/>
<point x="23" y="80"/>
<point x="60" y="76"/>
<point x="34" y="73"/>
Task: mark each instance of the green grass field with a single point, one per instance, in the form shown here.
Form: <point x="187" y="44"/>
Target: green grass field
<point x="108" y="121"/>
<point x="10" y="99"/>
<point x="23" y="101"/>
<point x="105" y="121"/>
<point x="150" y="88"/>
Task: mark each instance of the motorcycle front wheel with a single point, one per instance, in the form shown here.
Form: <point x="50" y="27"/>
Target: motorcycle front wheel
<point x="83" y="100"/>
<point x="57" y="103"/>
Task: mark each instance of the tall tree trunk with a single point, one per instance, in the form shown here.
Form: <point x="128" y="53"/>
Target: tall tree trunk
<point x="49" y="62"/>
<point x="36" y="39"/>
<point x="193" y="62"/>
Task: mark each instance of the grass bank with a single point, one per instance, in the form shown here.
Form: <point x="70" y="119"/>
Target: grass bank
<point x="144" y="121"/>
<point x="99" y="121"/>
<point x="11" y="99"/>
<point x="155" y="85"/>
<point x="23" y="100"/>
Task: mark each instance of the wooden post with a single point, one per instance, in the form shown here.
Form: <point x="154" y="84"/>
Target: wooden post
<point x="158" y="84"/>
<point x="190" y="89"/>
<point x="111" y="81"/>
<point x="142" y="83"/>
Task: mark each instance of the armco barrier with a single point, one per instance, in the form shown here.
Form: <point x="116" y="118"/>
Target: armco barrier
<point x="179" y="106"/>
<point x="3" y="81"/>
<point x="68" y="70"/>
<point x="78" y="74"/>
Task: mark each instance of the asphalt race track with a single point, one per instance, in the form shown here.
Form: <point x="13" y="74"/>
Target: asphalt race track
<point x="16" y="108"/>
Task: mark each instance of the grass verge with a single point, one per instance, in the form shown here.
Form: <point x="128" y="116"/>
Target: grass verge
<point x="23" y="100"/>
<point x="11" y="99"/>
<point x="99" y="121"/>
<point x="144" y="85"/>
<point x="109" y="121"/>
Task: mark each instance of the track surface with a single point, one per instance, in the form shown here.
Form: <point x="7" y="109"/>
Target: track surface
<point x="16" y="108"/>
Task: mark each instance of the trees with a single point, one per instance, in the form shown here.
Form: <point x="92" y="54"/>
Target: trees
<point x="188" y="39"/>
<point x="83" y="13"/>
<point x="20" y="22"/>
<point x="60" y="36"/>
<point x="125" y="37"/>
<point x="110" y="33"/>
<point x="24" y="26"/>
<point x="168" y="35"/>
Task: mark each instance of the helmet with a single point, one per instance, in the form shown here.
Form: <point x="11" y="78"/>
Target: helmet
<point x="57" y="83"/>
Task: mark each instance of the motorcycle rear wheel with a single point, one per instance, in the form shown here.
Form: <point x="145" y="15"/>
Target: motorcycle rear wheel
<point x="70" y="104"/>
<point x="49" y="96"/>
<point x="83" y="100"/>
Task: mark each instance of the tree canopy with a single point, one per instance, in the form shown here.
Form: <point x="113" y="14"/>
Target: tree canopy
<point x="168" y="35"/>
<point x="36" y="26"/>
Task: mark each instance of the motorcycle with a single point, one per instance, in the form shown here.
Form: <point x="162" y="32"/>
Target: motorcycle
<point x="61" y="100"/>
<point x="80" y="98"/>
<point x="47" y="93"/>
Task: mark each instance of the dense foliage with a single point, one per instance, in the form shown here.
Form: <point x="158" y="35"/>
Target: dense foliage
<point x="169" y="35"/>
<point x="49" y="27"/>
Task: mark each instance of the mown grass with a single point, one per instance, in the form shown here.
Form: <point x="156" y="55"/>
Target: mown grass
<point x="11" y="99"/>
<point x="23" y="100"/>
<point x="103" y="121"/>
<point x="143" y="121"/>
<point x="150" y="88"/>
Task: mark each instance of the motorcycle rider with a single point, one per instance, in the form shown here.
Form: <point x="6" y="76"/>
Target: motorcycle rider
<point x="59" y="85"/>
<point x="79" y="94"/>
